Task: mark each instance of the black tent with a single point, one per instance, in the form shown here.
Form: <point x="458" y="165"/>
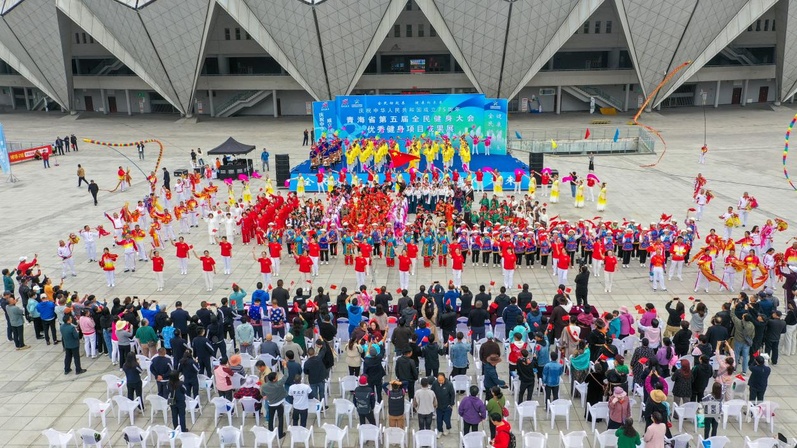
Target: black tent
<point x="232" y="146"/>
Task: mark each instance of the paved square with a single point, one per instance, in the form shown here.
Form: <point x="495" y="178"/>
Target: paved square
<point x="46" y="205"/>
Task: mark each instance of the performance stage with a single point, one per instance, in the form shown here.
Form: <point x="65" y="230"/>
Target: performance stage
<point x="504" y="164"/>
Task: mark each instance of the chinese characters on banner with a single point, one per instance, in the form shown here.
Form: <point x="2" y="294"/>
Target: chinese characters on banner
<point x="403" y="117"/>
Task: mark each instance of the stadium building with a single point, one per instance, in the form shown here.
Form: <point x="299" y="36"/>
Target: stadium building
<point x="274" y="57"/>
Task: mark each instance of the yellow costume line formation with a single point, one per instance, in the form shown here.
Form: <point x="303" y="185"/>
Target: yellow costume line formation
<point x="125" y="145"/>
<point x="645" y="104"/>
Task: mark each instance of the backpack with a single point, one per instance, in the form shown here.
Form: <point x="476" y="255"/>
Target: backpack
<point x="362" y="396"/>
<point x="512" y="441"/>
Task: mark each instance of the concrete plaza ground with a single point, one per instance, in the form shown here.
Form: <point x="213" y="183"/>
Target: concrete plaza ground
<point x="45" y="205"/>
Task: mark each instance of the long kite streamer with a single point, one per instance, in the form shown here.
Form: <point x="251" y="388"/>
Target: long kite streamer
<point x="113" y="146"/>
<point x="645" y="104"/>
<point x="786" y="151"/>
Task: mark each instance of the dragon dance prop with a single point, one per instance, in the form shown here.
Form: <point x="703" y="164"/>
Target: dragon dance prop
<point x="113" y="146"/>
<point x="648" y="100"/>
<point x="786" y="151"/>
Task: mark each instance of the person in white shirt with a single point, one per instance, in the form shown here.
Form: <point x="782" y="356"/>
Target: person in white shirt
<point x="425" y="402"/>
<point x="769" y="263"/>
<point x="229" y="227"/>
<point x="744" y="208"/>
<point x="300" y="394"/>
<point x="90" y="242"/>
<point x="67" y="263"/>
<point x="701" y="200"/>
<point x="727" y="219"/>
<point x="213" y="227"/>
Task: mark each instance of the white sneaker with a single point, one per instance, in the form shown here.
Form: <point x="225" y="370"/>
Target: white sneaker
<point x="439" y="435"/>
<point x="445" y="432"/>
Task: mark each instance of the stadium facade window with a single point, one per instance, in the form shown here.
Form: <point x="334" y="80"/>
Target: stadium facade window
<point x="608" y="27"/>
<point x="586" y="27"/>
<point x="237" y="34"/>
<point x="396" y="30"/>
<point x="597" y="27"/>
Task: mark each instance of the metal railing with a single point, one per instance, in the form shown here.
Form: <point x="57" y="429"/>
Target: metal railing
<point x="18" y="145"/>
<point x="237" y="97"/>
<point x="598" y="92"/>
<point x="632" y="140"/>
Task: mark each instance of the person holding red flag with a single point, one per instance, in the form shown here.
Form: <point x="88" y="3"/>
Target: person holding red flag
<point x="226" y="254"/>
<point x="305" y="267"/>
<point x="412" y="253"/>
<point x="265" y="266"/>
<point x="314" y="252"/>
<point x="509" y="260"/>
<point x="360" y="269"/>
<point x="404" y="265"/>
<point x="457" y="262"/>
<point x="275" y="253"/>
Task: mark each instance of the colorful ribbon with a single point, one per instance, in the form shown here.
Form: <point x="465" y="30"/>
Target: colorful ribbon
<point x="786" y="151"/>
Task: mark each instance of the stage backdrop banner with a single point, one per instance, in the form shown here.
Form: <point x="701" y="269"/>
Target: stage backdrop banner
<point x="403" y="117"/>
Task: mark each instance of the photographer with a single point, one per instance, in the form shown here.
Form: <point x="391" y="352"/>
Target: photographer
<point x="582" y="283"/>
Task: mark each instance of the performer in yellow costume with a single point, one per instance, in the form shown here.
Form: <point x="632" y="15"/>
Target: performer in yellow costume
<point x="580" y="195"/>
<point x="464" y="154"/>
<point x="602" y="198"/>
<point x="300" y="186"/>
<point x="532" y="186"/>
<point x="247" y="194"/>
<point x="269" y="186"/>
<point x="555" y="190"/>
<point x="498" y="184"/>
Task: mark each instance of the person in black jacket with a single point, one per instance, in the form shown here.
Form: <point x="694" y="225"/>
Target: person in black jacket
<point x="326" y="329"/>
<point x="448" y="323"/>
<point x="133" y="379"/>
<point x="701" y="373"/>
<point x="476" y="321"/>
<point x="510" y="316"/>
<point x="177" y="401"/>
<point x="383" y="298"/>
<point x="180" y="317"/>
<point x="161" y="367"/>
<point x="281" y="295"/>
<point x="401" y="336"/>
<point x="203" y="350"/>
<point x="446" y="398"/>
<point x="189" y="369"/>
<point x="775" y="327"/>
<point x="431" y="356"/>
<point x="675" y="309"/>
<point x="179" y="347"/>
<point x="316" y="372"/>
<point x="341" y="303"/>
<point x="373" y="370"/>
<point x="407" y="372"/>
<point x="681" y="339"/>
<point x="525" y="297"/>
<point x="527" y="374"/>
<point x="582" y="285"/>
<point x="465" y="300"/>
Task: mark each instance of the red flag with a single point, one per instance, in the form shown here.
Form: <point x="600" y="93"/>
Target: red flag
<point x="398" y="290"/>
<point x="492" y="283"/>
<point x="398" y="159"/>
<point x="586" y="134"/>
<point x="333" y="286"/>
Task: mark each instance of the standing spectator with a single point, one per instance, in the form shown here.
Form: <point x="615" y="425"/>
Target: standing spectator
<point x="503" y="436"/>
<point x="425" y="403"/>
<point x="364" y="401"/>
<point x="81" y="176"/>
<point x="46" y="310"/>
<point x="446" y="398"/>
<point x="354" y="353"/>
<point x="274" y="392"/>
<point x="300" y="394"/>
<point x="472" y="410"/>
<point x="495" y="406"/>
<point x="551" y="376"/>
<point x="712" y="410"/>
<point x="395" y="405"/>
<point x="71" y="341"/>
<point x="582" y="285"/>
<point x="655" y="432"/>
<point x="407" y="372"/>
<point x="682" y="383"/>
<point x="264" y="160"/>
<point x="627" y="436"/>
<point x="774" y="328"/>
<point x="619" y="408"/>
<point x="527" y="374"/>
<point x="88" y="329"/>
<point x="305" y="138"/>
<point x="161" y="368"/>
<point x="316" y="373"/>
<point x="133" y="372"/>
<point x="245" y="335"/>
<point x="675" y="309"/>
<point x="16" y="319"/>
<point x="45" y="158"/>
<point x="189" y="369"/>
<point x="759" y="379"/>
<point x="147" y="339"/>
<point x="124" y="336"/>
<point x="223" y="376"/>
<point x="459" y="356"/>
<point x="491" y="378"/>
<point x="177" y="400"/>
<point x="73" y="140"/>
<point x="431" y="356"/>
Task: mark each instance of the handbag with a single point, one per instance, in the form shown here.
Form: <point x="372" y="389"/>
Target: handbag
<point x="505" y="411"/>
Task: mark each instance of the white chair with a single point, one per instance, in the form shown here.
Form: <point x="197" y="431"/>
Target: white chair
<point x="300" y="434"/>
<point x="189" y="440"/>
<point x="263" y="436"/>
<point x="473" y="439"/>
<point x="764" y="410"/>
<point x="369" y="433"/>
<point x="605" y="439"/>
<point x="333" y="434"/>
<point x="732" y="408"/>
<point x="680" y="440"/>
<point x="560" y="407"/>
<point x="192" y="405"/>
<point x="716" y="441"/>
<point x="597" y="411"/>
<point x="163" y="434"/>
<point x="395" y="436"/>
<point x="158" y="404"/>
<point x="97" y="408"/>
<point x="124" y="404"/>
<point x="377" y="411"/>
<point x="764" y="442"/>
<point x="58" y="439"/>
<point x="629" y="343"/>
<point x="343" y="407"/>
<point x="91" y="438"/>
<point x="534" y="440"/>
<point x="247" y="362"/>
<point x="739" y="388"/>
<point x="113" y="385"/>
<point x="249" y="406"/>
<point x="134" y="435"/>
<point x="581" y="388"/>
<point x="222" y="406"/>
<point x="573" y="439"/>
<point x="687" y="411"/>
<point x="317" y="408"/>
<point x="206" y="384"/>
<point x="424" y="438"/>
<point x="237" y="381"/>
<point x="230" y="435"/>
<point x="461" y="383"/>
<point x="527" y="409"/>
<point x="347" y="384"/>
